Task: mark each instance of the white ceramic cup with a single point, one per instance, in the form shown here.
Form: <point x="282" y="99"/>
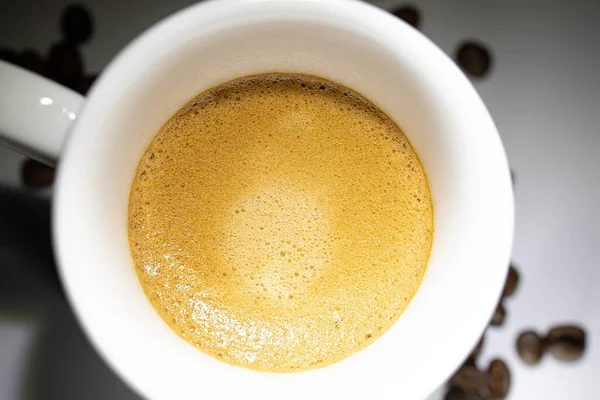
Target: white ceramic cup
<point x="349" y="42"/>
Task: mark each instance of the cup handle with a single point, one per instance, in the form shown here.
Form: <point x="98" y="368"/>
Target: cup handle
<point x="36" y="114"/>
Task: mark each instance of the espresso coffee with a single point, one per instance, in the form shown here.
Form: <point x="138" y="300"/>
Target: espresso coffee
<point x="280" y="222"/>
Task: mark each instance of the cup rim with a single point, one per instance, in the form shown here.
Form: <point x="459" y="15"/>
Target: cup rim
<point x="111" y="74"/>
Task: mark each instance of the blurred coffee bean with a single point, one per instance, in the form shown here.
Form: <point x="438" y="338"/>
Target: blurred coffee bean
<point x="499" y="315"/>
<point x="8" y="55"/>
<point x="31" y="60"/>
<point x="455" y="393"/>
<point x="474" y="59"/>
<point x="530" y="347"/>
<point x="567" y="343"/>
<point x="499" y="383"/>
<point x="511" y="283"/>
<point x="470" y="378"/>
<point x="36" y="175"/>
<point x="477" y="349"/>
<point x="470" y="360"/>
<point x="513" y="177"/>
<point x="85" y="83"/>
<point x="65" y="65"/>
<point x="408" y="14"/>
<point x="76" y="24"/>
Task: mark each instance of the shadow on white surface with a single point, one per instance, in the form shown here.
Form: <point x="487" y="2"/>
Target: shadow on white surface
<point x="62" y="364"/>
<point x="51" y="358"/>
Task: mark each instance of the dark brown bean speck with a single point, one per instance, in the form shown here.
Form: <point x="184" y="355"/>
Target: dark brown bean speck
<point x="470" y="378"/>
<point x="511" y="283"/>
<point x="408" y="14"/>
<point x="499" y="375"/>
<point x="474" y="59"/>
<point x="566" y="343"/>
<point x="530" y="347"/>
<point x="455" y="393"/>
<point x="499" y="315"/>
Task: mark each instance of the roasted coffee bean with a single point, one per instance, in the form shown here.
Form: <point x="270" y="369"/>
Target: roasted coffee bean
<point x="511" y="283"/>
<point x="499" y="375"/>
<point x="408" y="14"/>
<point x="8" y="55"/>
<point x="458" y="393"/>
<point x="474" y="59"/>
<point x="76" y="24"/>
<point x="85" y="83"/>
<point x="36" y="175"/>
<point x="65" y="65"/>
<point x="470" y="378"/>
<point x="499" y="315"/>
<point x="470" y="360"/>
<point x="567" y="343"/>
<point x="513" y="177"/>
<point x="530" y="347"/>
<point x="455" y="393"/>
<point x="31" y="60"/>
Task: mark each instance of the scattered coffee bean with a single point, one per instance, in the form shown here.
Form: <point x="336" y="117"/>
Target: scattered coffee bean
<point x="455" y="393"/>
<point x="470" y="378"/>
<point x="530" y="347"/>
<point x="8" y="55"/>
<point x="76" y="24"/>
<point x="31" y="60"/>
<point x="499" y="383"/>
<point x="499" y="315"/>
<point x="65" y="65"/>
<point x="36" y="175"/>
<point x="511" y="283"/>
<point x="474" y="59"/>
<point x="470" y="360"/>
<point x="408" y="14"/>
<point x="566" y="343"/>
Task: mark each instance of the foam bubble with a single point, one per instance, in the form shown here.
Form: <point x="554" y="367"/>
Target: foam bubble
<point x="280" y="222"/>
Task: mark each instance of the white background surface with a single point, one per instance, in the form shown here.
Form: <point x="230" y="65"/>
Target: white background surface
<point x="544" y="95"/>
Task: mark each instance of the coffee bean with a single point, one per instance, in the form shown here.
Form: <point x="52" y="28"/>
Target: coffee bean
<point x="530" y="347"/>
<point x="474" y="59"/>
<point x="511" y="283"/>
<point x="499" y="383"/>
<point x="499" y="315"/>
<point x="566" y="343"/>
<point x="470" y="378"/>
<point x="408" y="14"/>
<point x="76" y="24"/>
<point x="35" y="174"/>
<point x="31" y="60"/>
<point x="513" y="177"/>
<point x="8" y="55"/>
<point x="64" y="64"/>
<point x="455" y="393"/>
